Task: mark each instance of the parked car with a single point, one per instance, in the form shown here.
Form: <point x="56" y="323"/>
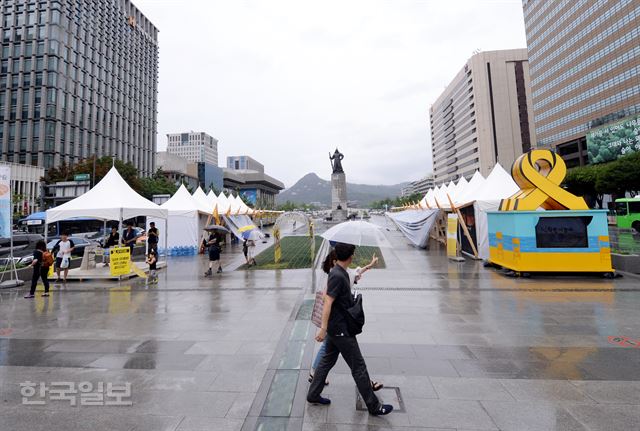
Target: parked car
<point x="79" y="245"/>
<point x="23" y="246"/>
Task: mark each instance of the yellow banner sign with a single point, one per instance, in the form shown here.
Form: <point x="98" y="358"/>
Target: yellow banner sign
<point x="277" y="250"/>
<point x="120" y="261"/>
<point x="452" y="235"/>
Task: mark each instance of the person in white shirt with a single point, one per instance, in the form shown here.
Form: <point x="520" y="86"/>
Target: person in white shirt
<point x="62" y="251"/>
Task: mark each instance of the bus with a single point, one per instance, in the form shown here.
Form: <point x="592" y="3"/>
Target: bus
<point x="628" y="213"/>
<point x="34" y="223"/>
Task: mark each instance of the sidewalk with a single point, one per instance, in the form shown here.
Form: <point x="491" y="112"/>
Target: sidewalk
<point x="467" y="348"/>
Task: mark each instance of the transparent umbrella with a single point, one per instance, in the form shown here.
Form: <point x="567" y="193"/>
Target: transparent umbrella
<point x="359" y="233"/>
<point x="252" y="235"/>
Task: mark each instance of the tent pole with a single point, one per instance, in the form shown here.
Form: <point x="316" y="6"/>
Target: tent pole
<point x="120" y="234"/>
<point x="166" y="235"/>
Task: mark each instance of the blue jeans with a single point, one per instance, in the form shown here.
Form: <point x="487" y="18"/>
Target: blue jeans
<point x="320" y="354"/>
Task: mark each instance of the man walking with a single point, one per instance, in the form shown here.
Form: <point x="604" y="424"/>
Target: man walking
<point x="335" y="329"/>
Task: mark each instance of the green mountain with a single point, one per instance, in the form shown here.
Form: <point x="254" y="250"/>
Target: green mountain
<point x="311" y="188"/>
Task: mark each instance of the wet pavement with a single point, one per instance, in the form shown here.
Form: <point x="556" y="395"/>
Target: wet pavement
<point x="466" y="348"/>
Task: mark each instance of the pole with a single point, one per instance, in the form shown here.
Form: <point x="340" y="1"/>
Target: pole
<point x="93" y="176"/>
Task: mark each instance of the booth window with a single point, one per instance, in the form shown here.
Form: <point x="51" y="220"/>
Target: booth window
<point x="562" y="232"/>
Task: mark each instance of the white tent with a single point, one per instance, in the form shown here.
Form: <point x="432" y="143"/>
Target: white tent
<point x="185" y="221"/>
<point x="415" y="224"/>
<point x="202" y="200"/>
<point x="212" y="198"/>
<point x="223" y="203"/>
<point x="468" y="194"/>
<point x="498" y="185"/>
<point x="111" y="199"/>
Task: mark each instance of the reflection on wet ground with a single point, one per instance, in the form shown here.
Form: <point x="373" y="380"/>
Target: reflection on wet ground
<point x="467" y="347"/>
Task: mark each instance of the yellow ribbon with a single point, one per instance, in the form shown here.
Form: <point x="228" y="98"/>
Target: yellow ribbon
<point x="539" y="174"/>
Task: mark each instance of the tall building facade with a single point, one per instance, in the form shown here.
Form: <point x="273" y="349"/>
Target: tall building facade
<point x="483" y="116"/>
<point x="194" y="146"/>
<point x="584" y="59"/>
<point x="77" y="79"/>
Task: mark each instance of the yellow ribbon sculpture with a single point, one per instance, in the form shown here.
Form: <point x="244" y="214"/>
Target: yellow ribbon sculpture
<point x="539" y="174"/>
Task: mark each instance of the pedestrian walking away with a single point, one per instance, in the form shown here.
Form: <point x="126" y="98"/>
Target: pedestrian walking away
<point x="327" y="266"/>
<point x="42" y="261"/>
<point x="339" y="328"/>
<point x="245" y="251"/>
<point x="152" y="236"/>
<point x="62" y="250"/>
<point x="214" y="254"/>
<point x="251" y="252"/>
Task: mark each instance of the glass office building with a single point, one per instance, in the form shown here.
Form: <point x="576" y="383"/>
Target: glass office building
<point x="584" y="61"/>
<point x="78" y="78"/>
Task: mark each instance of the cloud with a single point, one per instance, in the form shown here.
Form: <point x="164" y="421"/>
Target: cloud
<point x="287" y="81"/>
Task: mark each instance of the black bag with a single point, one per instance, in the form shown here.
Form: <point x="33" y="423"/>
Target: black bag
<point x="355" y="317"/>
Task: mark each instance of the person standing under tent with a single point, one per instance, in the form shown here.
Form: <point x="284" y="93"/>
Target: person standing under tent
<point x="341" y="338"/>
<point x="214" y="254"/>
<point x="153" y="236"/>
<point x="62" y="250"/>
<point x="112" y="241"/>
<point x="130" y="237"/>
<point x="42" y="261"/>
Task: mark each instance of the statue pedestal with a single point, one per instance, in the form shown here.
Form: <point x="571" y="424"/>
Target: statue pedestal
<point x="339" y="197"/>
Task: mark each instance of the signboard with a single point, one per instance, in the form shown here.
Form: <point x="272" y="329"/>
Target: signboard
<point x="120" y="261"/>
<point x="609" y="142"/>
<point x="81" y="177"/>
<point x="5" y="201"/>
<point x="452" y="235"/>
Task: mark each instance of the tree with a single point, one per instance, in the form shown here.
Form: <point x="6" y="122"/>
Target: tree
<point x="102" y="165"/>
<point x="616" y="178"/>
<point x="582" y="181"/>
<point x="287" y="206"/>
<point x="157" y="184"/>
<point x="620" y="176"/>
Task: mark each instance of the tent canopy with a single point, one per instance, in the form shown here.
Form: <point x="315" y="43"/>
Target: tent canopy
<point x="499" y="185"/>
<point x="110" y="199"/>
<point x="181" y="203"/>
<point x="202" y="200"/>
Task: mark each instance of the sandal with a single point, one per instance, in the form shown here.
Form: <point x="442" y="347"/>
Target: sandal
<point x="376" y="386"/>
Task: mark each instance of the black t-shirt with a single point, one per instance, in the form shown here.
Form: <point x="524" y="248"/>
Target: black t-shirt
<point x="38" y="255"/>
<point x="339" y="288"/>
<point x="153" y="239"/>
<point x="113" y="239"/>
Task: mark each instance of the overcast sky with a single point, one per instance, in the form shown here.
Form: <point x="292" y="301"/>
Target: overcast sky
<point x="286" y="82"/>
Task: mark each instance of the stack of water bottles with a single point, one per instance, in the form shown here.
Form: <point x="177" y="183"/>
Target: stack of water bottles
<point x="181" y="251"/>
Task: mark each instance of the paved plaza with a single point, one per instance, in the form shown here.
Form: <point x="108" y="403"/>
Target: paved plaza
<point x="458" y="347"/>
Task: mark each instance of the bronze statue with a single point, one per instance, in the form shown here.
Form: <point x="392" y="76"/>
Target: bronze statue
<point x="337" y="161"/>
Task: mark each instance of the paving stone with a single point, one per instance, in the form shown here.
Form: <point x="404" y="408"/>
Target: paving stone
<point x="531" y="416"/>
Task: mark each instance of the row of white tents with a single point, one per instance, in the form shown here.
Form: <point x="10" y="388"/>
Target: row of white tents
<point x="479" y="195"/>
<point x="182" y="218"/>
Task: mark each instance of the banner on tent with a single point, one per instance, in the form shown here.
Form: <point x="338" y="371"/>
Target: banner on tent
<point x="120" y="261"/>
<point x="452" y="235"/>
<point x="5" y="201"/>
